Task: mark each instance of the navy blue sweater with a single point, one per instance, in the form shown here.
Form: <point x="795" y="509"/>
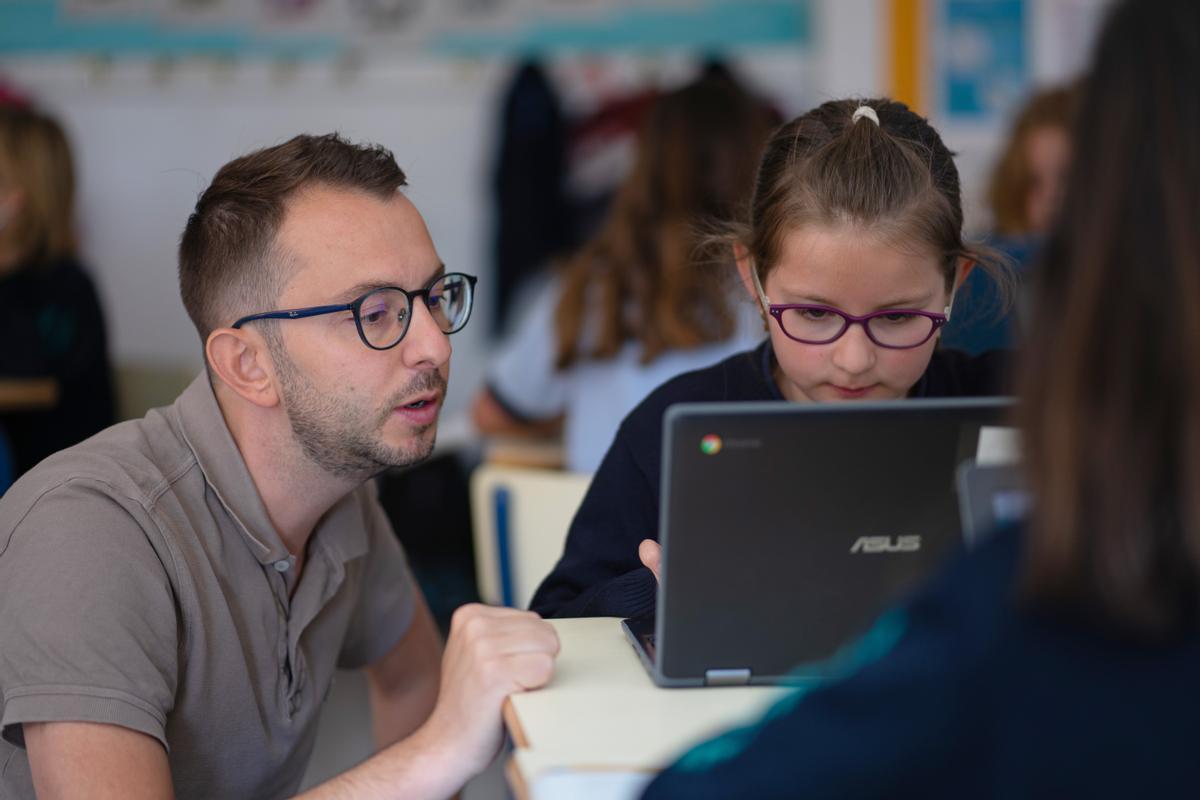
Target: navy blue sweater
<point x="979" y="696"/>
<point x="52" y="326"/>
<point x="599" y="573"/>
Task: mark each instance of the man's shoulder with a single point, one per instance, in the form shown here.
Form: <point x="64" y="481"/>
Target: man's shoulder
<point x="131" y="462"/>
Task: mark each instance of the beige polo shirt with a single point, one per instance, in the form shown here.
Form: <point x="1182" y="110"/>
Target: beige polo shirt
<point x="142" y="585"/>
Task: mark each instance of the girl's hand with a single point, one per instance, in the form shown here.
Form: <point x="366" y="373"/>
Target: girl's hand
<point x="650" y="552"/>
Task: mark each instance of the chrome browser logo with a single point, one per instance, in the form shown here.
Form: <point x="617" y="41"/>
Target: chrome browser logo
<point x="710" y="445"/>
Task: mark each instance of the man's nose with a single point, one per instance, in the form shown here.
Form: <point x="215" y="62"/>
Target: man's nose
<point x="425" y="345"/>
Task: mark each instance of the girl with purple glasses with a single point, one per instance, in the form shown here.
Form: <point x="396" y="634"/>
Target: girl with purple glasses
<point x="852" y="249"/>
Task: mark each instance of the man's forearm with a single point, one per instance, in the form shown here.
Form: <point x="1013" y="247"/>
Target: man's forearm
<point x="403" y="684"/>
<point x="397" y="712"/>
<point x="421" y="767"/>
<point x="491" y="654"/>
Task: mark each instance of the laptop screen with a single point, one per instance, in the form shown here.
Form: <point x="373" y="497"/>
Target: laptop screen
<point x="787" y="528"/>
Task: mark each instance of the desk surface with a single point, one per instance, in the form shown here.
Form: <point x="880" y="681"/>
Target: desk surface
<point x="27" y="394"/>
<point x="602" y="728"/>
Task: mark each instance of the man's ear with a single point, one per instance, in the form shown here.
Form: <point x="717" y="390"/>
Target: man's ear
<point x="240" y="359"/>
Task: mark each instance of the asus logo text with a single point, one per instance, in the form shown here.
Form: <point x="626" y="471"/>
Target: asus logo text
<point x="886" y="544"/>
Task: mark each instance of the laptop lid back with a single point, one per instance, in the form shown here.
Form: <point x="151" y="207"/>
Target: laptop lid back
<point x="991" y="496"/>
<point x="788" y="528"/>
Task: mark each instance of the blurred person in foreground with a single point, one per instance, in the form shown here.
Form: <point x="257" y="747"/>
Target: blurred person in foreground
<point x="1059" y="658"/>
<point x="51" y="322"/>
<point x="178" y="590"/>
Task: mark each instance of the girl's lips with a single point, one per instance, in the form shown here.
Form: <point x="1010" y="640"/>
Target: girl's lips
<point x="849" y="393"/>
<point x="425" y="412"/>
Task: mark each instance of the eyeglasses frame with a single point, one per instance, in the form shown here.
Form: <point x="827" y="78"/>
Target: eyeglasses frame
<point x="356" y="305"/>
<point x="776" y="310"/>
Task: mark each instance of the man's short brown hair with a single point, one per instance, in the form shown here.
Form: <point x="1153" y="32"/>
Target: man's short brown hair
<point x="227" y="264"/>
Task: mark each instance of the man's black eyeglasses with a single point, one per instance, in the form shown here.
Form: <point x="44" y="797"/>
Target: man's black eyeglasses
<point x="383" y="315"/>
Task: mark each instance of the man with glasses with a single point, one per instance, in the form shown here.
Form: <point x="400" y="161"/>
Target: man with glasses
<point x="178" y="590"/>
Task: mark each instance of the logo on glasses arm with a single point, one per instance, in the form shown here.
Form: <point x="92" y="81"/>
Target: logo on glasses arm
<point x="886" y="544"/>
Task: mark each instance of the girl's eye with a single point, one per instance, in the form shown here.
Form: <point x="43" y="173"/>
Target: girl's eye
<point x="814" y="313"/>
<point x="897" y="319"/>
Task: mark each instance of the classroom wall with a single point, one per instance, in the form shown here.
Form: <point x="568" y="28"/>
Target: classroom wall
<point x="149" y="136"/>
<point x="147" y="145"/>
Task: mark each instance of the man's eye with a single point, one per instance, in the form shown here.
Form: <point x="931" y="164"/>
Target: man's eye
<point x="372" y="316"/>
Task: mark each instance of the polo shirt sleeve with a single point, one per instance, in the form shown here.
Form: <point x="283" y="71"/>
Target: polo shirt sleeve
<point x="522" y="377"/>
<point x="89" y="624"/>
<point x="387" y="592"/>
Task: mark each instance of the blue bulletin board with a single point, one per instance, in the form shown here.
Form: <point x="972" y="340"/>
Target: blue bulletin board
<point x="983" y="58"/>
<point x="324" y="28"/>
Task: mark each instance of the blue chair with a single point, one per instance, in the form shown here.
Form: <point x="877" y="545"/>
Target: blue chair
<point x="520" y="517"/>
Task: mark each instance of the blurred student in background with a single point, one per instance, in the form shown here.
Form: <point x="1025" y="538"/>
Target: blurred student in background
<point x="1058" y="659"/>
<point x="643" y="300"/>
<point x="51" y="323"/>
<point x="1024" y="195"/>
<point x="1029" y="180"/>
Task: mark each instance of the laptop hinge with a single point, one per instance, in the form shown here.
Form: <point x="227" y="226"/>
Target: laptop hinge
<point x="726" y="677"/>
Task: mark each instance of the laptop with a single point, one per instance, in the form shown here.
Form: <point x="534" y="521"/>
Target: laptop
<point x="991" y="496"/>
<point x="787" y="528"/>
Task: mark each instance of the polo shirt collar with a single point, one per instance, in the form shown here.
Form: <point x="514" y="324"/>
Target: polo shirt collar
<point x="341" y="531"/>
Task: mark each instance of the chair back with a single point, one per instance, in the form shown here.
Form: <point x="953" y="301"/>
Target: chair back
<point x="520" y="518"/>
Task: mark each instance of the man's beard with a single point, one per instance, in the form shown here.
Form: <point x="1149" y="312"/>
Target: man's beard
<point x="343" y="440"/>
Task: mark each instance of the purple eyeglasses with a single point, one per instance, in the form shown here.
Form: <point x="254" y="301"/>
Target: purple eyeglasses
<point x="893" y="328"/>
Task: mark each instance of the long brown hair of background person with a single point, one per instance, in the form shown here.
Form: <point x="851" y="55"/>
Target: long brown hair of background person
<point x="1111" y="377"/>
<point x="645" y="274"/>
<point x="1014" y="176"/>
<point x="36" y="163"/>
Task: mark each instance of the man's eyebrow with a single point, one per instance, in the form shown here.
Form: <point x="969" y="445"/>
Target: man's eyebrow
<point x="366" y="287"/>
<point x="358" y="290"/>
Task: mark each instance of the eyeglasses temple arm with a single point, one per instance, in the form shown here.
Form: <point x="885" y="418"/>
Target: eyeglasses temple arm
<point x="293" y="313"/>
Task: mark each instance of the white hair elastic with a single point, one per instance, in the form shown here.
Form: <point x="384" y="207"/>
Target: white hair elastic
<point x="865" y="111"/>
